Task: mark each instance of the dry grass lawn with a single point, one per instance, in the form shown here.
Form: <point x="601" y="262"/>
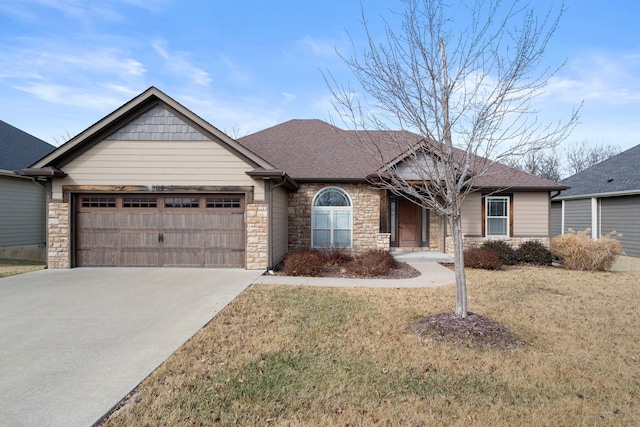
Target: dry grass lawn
<point x="299" y="356"/>
<point x="11" y="267"/>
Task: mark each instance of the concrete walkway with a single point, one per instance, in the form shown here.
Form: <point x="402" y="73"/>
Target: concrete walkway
<point x="431" y="274"/>
<point x="74" y="342"/>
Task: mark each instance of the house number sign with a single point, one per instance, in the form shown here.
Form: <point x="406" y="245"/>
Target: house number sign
<point x="158" y="187"/>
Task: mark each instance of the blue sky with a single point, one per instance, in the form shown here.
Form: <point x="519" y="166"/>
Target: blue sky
<point x="246" y="65"/>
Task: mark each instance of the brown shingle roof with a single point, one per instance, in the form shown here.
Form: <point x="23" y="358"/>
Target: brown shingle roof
<point x="313" y="150"/>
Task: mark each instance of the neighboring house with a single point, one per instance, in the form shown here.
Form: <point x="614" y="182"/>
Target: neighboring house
<point x="22" y="200"/>
<point x="153" y="184"/>
<point x="604" y="198"/>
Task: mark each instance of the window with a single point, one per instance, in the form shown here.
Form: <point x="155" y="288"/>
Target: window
<point x="139" y="202"/>
<point x="98" y="202"/>
<point x="331" y="219"/>
<point x="497" y="216"/>
<point x="181" y="202"/>
<point x="224" y="202"/>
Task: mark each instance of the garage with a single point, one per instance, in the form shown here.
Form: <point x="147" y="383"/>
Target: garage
<point x="159" y="230"/>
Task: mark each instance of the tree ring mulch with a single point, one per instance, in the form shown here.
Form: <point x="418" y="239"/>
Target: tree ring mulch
<point x="474" y="331"/>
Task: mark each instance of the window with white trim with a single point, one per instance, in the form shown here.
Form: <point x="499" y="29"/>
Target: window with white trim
<point x="331" y="219"/>
<point x="497" y="216"/>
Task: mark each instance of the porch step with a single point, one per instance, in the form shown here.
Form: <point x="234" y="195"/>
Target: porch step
<point x="412" y="255"/>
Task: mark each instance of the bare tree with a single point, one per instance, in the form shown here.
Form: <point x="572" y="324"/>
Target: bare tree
<point x="582" y="155"/>
<point x="543" y="163"/>
<point x="466" y="90"/>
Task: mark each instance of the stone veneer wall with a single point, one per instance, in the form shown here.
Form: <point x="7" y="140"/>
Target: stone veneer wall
<point x="257" y="236"/>
<point x="476" y="241"/>
<point x="366" y="216"/>
<point x="58" y="238"/>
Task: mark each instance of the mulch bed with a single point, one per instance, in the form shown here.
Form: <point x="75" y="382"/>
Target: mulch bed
<point x="404" y="271"/>
<point x="474" y="331"/>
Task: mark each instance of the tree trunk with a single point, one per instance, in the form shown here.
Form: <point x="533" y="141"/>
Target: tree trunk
<point x="461" y="279"/>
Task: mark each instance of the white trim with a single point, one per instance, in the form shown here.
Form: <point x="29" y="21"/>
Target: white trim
<point x="599" y="195"/>
<point x="486" y="216"/>
<point x="562" y="218"/>
<point x="332" y="209"/>
<point x="594" y="218"/>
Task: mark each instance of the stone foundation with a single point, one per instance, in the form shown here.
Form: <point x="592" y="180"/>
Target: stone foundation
<point x="58" y="239"/>
<point x="257" y="236"/>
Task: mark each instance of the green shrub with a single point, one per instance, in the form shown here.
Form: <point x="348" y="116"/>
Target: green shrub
<point x="534" y="252"/>
<point x="305" y="262"/>
<point x="484" y="258"/>
<point x="505" y="252"/>
<point x="374" y="262"/>
<point x="580" y="252"/>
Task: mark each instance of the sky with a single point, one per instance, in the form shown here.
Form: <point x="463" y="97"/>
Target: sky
<point x="246" y="65"/>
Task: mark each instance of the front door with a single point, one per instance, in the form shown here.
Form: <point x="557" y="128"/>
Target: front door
<point x="408" y="224"/>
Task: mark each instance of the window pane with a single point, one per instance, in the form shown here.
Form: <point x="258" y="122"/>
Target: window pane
<point x="497" y="227"/>
<point x="497" y="207"/>
<point x="342" y="238"/>
<point x="332" y="197"/>
<point x="322" y="219"/>
<point x="342" y="220"/>
<point x="321" y="238"/>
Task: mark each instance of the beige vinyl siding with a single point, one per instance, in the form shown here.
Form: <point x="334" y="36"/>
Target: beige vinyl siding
<point x="471" y="211"/>
<point x="279" y="224"/>
<point x="22" y="212"/>
<point x="531" y="214"/>
<point x="156" y="163"/>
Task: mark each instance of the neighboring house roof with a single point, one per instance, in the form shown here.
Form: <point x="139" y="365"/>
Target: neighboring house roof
<point x="313" y="150"/>
<point x="152" y="97"/>
<point x="18" y="149"/>
<point x="617" y="175"/>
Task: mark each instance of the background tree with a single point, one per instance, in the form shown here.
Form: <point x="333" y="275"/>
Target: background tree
<point x="543" y="163"/>
<point x="582" y="155"/>
<point x="464" y="79"/>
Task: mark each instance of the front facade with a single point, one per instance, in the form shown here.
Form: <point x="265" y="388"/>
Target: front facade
<point x="604" y="198"/>
<point x="152" y="184"/>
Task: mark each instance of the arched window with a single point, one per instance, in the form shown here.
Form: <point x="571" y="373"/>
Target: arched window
<point x="331" y="218"/>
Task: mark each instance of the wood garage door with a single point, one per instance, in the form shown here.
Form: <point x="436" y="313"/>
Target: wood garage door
<point x="160" y="230"/>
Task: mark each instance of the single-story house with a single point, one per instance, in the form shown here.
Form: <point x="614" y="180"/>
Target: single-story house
<point x="604" y="198"/>
<point x="22" y="199"/>
<point x="153" y="184"/>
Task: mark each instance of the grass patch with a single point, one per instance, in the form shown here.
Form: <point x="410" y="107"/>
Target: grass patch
<point x="11" y="267"/>
<point x="282" y="355"/>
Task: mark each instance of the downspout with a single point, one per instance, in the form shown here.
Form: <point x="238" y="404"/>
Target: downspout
<point x="271" y="188"/>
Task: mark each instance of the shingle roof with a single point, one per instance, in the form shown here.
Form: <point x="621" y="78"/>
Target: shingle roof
<point x="620" y="173"/>
<point x="315" y="150"/>
<point x="18" y="149"/>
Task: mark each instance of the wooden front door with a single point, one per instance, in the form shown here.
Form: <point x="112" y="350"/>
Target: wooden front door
<point x="408" y="224"/>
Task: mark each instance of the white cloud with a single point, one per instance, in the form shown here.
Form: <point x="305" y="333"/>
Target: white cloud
<point x="178" y="64"/>
<point x="72" y="95"/>
<point x="318" y="47"/>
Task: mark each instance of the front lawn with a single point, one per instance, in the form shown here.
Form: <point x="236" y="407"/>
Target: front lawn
<point x="11" y="267"/>
<point x="280" y="355"/>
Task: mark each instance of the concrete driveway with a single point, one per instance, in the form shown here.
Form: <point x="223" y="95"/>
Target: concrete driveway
<point x="75" y="342"/>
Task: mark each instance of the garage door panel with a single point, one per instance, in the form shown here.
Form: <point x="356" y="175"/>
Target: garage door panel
<point x="172" y="231"/>
<point x="140" y="257"/>
<point x="226" y="259"/>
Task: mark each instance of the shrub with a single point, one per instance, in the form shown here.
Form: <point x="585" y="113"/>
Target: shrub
<point x="374" y="262"/>
<point x="534" y="252"/>
<point x="335" y="256"/>
<point x="484" y="258"/>
<point x="304" y="262"/>
<point x="505" y="252"/>
<point x="580" y="252"/>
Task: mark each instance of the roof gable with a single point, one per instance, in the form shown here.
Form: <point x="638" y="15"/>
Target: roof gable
<point x="153" y="115"/>
<point x="618" y="174"/>
<point x="18" y="149"/>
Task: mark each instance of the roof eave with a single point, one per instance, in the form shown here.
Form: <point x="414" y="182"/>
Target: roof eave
<point x="272" y="174"/>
